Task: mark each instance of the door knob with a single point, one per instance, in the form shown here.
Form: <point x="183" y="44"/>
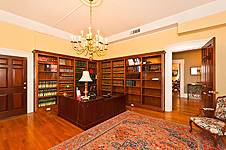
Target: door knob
<point x="213" y="92"/>
<point x="204" y="93"/>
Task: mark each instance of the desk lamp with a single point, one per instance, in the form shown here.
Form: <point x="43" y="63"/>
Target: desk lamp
<point x="85" y="78"/>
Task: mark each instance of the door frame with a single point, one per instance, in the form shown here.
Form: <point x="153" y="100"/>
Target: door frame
<point x="184" y="46"/>
<point x="30" y="83"/>
<point x="181" y="67"/>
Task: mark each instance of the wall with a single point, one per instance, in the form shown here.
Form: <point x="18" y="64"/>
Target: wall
<point x="158" y="41"/>
<point x="19" y="38"/>
<point x="191" y="58"/>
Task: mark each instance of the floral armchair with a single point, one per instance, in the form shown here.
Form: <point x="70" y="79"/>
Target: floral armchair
<point x="216" y="124"/>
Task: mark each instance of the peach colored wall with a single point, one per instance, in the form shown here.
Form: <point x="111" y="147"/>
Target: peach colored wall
<point x="19" y="38"/>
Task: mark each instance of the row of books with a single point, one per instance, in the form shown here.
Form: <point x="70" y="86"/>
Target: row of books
<point x="66" y="69"/>
<point x="47" y="60"/>
<point x="118" y="70"/>
<point x="132" y="76"/>
<point x="130" y="83"/>
<point x="106" y="70"/>
<point x="47" y="92"/>
<point x="134" y="69"/>
<point x="80" y="69"/>
<point x="62" y="61"/>
<point x="106" y="88"/>
<point x="80" y="63"/>
<point x="106" y="65"/>
<point x="66" y="84"/>
<point x="48" y="67"/>
<point x="118" y="63"/>
<point x="66" y="78"/>
<point x="106" y="76"/>
<point x="47" y="84"/>
<point x="92" y="65"/>
<point x="46" y="102"/>
<point x="134" y="61"/>
<point x="118" y="76"/>
<point x="118" y="82"/>
<point x="106" y="82"/>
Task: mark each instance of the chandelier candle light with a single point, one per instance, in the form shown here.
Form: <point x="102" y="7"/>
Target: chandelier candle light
<point x="89" y="44"/>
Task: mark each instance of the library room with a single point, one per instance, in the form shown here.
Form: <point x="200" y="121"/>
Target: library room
<point x="99" y="74"/>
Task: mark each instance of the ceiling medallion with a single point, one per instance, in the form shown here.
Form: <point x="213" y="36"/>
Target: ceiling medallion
<point x="94" y="2"/>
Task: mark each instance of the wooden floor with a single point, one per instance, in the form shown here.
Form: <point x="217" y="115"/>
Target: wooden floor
<point x="44" y="130"/>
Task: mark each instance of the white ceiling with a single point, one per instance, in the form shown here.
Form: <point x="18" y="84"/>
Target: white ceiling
<point x="111" y="17"/>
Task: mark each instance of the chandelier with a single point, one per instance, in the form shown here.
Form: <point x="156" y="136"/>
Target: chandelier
<point x="89" y="44"/>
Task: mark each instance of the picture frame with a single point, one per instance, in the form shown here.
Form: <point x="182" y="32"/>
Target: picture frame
<point x="174" y="73"/>
<point x="195" y="70"/>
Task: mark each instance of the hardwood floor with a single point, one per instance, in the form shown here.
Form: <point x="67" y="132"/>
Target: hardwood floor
<point x="43" y="130"/>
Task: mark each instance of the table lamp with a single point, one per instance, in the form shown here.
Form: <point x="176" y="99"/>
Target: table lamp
<point x="85" y="78"/>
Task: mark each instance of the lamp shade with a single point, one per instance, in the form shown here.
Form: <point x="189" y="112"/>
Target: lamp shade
<point x="85" y="77"/>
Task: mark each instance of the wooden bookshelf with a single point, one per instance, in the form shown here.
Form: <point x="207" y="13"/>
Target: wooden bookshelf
<point x="139" y="77"/>
<point x="66" y="76"/>
<point x="106" y="84"/>
<point x="47" y="77"/>
<point x="118" y="76"/>
<point x="57" y="74"/>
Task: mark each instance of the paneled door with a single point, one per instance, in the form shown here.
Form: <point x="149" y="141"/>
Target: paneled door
<point x="208" y="74"/>
<point x="13" y="86"/>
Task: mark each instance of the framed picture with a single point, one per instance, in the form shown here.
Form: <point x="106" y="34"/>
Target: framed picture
<point x="174" y="73"/>
<point x="195" y="70"/>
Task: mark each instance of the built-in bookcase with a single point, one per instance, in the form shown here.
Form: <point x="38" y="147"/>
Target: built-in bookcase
<point x="57" y="74"/>
<point x="47" y="80"/>
<point x="66" y="77"/>
<point x="118" y="76"/>
<point x="106" y="77"/>
<point x="139" y="77"/>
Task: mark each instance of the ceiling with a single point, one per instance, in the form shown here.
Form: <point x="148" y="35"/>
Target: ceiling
<point x="111" y="17"/>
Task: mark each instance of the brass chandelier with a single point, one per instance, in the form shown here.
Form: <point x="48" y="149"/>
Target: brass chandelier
<point x="89" y="44"/>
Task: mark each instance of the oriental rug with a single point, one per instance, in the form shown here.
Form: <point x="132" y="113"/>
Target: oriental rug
<point x="131" y="130"/>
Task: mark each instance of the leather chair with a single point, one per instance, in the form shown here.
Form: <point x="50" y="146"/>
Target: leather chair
<point x="214" y="124"/>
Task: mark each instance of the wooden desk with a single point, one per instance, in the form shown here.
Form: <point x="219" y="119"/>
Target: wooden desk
<point x="86" y="114"/>
<point x="194" y="89"/>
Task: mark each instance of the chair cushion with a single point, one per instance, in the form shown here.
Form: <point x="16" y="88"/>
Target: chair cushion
<point x="220" y="111"/>
<point x="210" y="124"/>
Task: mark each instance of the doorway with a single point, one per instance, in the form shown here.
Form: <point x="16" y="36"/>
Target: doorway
<point x="189" y="45"/>
<point x="13" y="86"/>
<point x="182" y="62"/>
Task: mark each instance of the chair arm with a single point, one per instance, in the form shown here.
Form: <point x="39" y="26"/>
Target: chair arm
<point x="204" y="110"/>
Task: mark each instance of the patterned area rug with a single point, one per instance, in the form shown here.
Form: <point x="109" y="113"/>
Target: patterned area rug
<point x="131" y="130"/>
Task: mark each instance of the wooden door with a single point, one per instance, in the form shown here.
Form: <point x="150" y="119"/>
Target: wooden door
<point x="208" y="74"/>
<point x="13" y="92"/>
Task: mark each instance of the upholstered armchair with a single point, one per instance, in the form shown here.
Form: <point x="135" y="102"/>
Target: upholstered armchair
<point x="215" y="124"/>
